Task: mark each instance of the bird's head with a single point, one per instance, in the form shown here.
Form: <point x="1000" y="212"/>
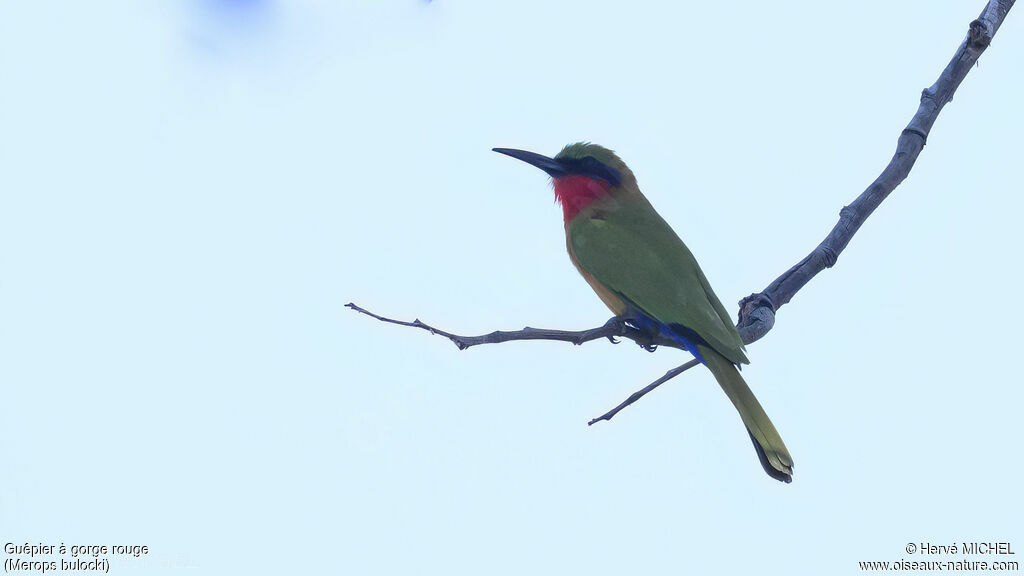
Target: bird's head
<point x="581" y="173"/>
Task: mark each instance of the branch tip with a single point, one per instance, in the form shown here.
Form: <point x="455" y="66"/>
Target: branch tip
<point x="933" y="99"/>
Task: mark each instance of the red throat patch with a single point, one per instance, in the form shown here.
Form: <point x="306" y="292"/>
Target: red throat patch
<point x="576" y="192"/>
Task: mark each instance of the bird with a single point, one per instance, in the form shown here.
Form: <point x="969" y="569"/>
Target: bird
<point x="642" y="271"/>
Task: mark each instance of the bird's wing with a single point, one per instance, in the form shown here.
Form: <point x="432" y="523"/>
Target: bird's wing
<point x="632" y="251"/>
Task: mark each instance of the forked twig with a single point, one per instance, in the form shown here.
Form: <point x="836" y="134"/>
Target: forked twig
<point x="613" y="328"/>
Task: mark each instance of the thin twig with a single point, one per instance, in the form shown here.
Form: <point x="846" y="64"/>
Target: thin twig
<point x="615" y="327"/>
<point x="640" y="393"/>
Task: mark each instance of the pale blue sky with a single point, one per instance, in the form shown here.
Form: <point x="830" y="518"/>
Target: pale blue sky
<point x="190" y="192"/>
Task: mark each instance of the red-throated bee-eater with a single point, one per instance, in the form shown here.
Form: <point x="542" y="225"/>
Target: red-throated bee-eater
<point x="645" y="274"/>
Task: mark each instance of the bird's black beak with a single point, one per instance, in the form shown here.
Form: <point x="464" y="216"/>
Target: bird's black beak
<point x="549" y="165"/>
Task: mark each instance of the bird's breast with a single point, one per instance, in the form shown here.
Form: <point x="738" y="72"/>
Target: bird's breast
<point x="610" y="299"/>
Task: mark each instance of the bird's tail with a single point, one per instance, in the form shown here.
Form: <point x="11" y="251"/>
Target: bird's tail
<point x="770" y="449"/>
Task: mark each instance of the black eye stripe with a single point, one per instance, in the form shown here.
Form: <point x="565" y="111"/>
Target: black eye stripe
<point x="590" y="166"/>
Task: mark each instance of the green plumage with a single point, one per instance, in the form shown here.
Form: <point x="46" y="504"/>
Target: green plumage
<point x="630" y="249"/>
<point x="642" y="271"/>
<point x="626" y="251"/>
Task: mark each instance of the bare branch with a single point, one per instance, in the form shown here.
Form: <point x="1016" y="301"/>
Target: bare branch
<point x="615" y="327"/>
<point x="757" y="311"/>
